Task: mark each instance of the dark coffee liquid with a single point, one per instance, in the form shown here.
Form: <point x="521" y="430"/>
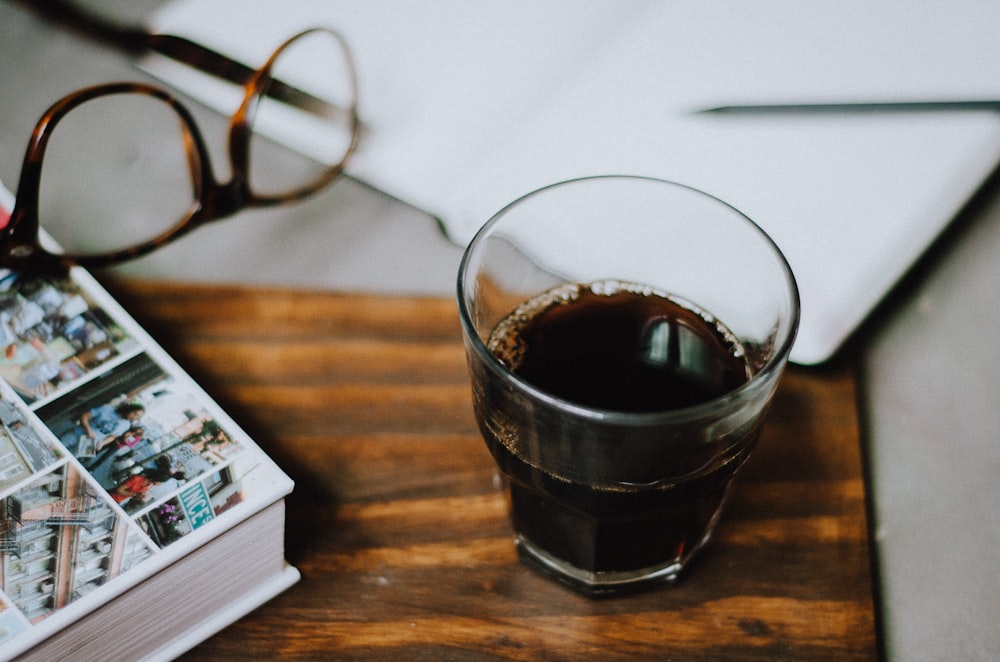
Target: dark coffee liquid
<point x="618" y="347"/>
<point x="614" y="530"/>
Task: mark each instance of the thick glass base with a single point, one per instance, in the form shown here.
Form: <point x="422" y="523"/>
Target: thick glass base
<point x="602" y="583"/>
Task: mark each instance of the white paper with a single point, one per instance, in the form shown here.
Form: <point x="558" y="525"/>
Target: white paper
<point x="468" y="105"/>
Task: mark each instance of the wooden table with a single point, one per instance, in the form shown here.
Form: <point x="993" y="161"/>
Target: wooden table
<point x="401" y="535"/>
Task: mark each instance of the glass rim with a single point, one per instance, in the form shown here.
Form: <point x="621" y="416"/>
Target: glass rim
<point x="762" y="375"/>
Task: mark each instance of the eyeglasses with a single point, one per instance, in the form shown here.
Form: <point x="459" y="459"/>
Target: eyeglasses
<point x="161" y="184"/>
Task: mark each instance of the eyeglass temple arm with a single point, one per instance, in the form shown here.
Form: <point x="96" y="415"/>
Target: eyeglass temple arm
<point x="137" y="41"/>
<point x="88" y="24"/>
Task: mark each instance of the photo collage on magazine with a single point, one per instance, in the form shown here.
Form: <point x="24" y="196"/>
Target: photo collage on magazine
<point x="106" y="456"/>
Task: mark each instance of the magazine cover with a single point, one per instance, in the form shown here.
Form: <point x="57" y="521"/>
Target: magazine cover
<point x="113" y="461"/>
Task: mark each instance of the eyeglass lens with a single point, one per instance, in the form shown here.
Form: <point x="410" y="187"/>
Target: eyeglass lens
<point x="115" y="173"/>
<point x="319" y="127"/>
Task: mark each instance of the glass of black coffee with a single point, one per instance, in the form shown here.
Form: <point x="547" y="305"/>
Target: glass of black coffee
<point x="624" y="337"/>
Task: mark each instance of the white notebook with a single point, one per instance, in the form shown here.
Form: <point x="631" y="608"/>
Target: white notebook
<point x="469" y="105"/>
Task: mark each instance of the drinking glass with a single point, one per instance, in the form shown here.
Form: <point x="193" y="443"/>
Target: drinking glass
<point x="611" y="497"/>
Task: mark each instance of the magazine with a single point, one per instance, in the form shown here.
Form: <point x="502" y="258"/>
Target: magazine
<point x="114" y="466"/>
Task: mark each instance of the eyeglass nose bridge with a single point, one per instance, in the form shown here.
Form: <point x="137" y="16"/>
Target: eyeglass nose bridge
<point x="217" y="201"/>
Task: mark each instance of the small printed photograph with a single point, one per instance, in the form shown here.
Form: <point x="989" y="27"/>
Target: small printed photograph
<point x="60" y="540"/>
<point x="139" y="433"/>
<point x="166" y="523"/>
<point x="52" y="334"/>
<point x="23" y="451"/>
<point x="196" y="504"/>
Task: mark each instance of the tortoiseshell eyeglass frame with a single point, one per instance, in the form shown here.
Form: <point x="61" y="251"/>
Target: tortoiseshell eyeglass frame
<point x="20" y="245"/>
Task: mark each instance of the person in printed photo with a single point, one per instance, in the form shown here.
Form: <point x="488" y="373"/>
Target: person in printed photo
<point x="100" y="426"/>
<point x="131" y="493"/>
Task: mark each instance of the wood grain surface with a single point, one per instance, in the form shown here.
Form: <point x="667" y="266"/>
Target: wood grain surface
<point x="401" y="534"/>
